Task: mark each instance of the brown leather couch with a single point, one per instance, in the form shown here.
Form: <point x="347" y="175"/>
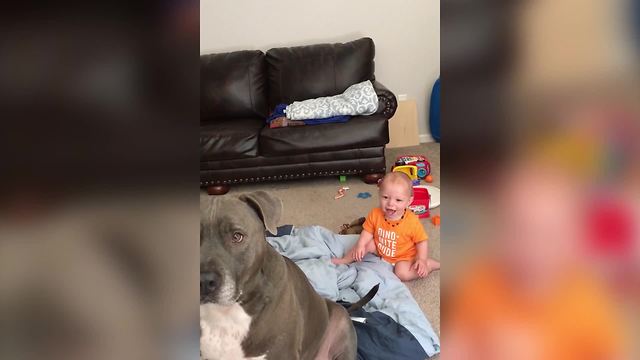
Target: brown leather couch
<point x="239" y="89"/>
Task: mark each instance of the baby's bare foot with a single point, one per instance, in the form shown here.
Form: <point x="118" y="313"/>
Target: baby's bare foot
<point x="433" y="265"/>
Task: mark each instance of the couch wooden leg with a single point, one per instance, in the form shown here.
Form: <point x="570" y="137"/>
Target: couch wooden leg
<point x="372" y="178"/>
<point x="217" y="189"/>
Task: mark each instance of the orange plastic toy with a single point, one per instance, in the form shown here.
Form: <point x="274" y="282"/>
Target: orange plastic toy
<point x="428" y="178"/>
<point x="436" y="220"/>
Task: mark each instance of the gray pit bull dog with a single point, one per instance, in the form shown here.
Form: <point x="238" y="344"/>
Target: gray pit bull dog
<point x="255" y="303"/>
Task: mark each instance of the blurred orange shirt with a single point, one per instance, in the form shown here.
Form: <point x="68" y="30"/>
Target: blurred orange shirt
<point x="395" y="240"/>
<point x="575" y="320"/>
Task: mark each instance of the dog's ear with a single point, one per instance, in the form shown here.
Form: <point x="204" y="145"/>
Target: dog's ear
<point x="268" y="207"/>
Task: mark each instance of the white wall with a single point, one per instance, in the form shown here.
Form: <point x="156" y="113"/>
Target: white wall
<point x="406" y="34"/>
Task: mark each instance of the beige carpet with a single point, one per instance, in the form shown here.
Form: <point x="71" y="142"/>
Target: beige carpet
<point x="311" y="202"/>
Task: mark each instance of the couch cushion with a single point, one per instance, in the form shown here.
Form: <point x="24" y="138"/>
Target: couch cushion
<point x="359" y="132"/>
<point x="307" y="72"/>
<point x="292" y="159"/>
<point x="230" y="139"/>
<point x="232" y="85"/>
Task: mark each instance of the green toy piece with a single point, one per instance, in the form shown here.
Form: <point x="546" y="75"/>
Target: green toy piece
<point x="343" y="178"/>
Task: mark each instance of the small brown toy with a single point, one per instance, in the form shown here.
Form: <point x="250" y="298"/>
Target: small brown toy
<point x="354" y="228"/>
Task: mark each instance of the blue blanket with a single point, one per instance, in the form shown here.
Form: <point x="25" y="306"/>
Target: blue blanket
<point x="311" y="248"/>
<point x="279" y="112"/>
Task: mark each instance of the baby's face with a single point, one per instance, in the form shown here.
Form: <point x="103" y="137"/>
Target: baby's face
<point x="394" y="198"/>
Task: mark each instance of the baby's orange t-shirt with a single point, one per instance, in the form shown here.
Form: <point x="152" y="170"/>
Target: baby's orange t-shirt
<point x="395" y="240"/>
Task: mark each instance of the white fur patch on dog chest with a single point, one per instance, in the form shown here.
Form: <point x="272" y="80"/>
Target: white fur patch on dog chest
<point x="223" y="327"/>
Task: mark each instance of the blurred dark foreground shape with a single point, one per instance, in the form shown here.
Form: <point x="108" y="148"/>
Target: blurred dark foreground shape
<point x="98" y="193"/>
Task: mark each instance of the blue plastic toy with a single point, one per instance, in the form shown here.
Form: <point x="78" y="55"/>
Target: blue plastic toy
<point x="364" y="195"/>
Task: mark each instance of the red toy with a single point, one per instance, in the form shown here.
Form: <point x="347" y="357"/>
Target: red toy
<point x="421" y="202"/>
<point x="421" y="162"/>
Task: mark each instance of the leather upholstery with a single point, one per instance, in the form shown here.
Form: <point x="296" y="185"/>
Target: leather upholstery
<point x="233" y="171"/>
<point x="387" y="102"/>
<point x="230" y="139"/>
<point x="233" y="85"/>
<point x="238" y="90"/>
<point x="307" y="72"/>
<point x="358" y="132"/>
<point x="265" y="161"/>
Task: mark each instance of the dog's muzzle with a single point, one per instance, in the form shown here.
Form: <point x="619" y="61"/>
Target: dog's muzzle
<point x="209" y="283"/>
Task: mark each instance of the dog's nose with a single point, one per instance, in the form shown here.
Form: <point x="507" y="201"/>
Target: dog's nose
<point x="208" y="282"/>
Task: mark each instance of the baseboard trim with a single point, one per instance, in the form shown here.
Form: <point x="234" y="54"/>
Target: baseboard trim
<point x="425" y="138"/>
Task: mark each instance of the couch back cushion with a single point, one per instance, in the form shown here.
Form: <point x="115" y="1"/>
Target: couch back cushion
<point x="233" y="85"/>
<point x="307" y="72"/>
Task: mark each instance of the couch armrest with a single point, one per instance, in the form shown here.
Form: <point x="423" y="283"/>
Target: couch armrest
<point x="387" y="102"/>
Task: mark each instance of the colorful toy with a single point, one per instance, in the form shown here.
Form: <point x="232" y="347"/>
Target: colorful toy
<point x="420" y="204"/>
<point x="364" y="195"/>
<point x="410" y="170"/>
<point x="436" y="220"/>
<point x="418" y="209"/>
<point x="343" y="178"/>
<point x="428" y="178"/>
<point x="341" y="192"/>
<point x="434" y="194"/>
<point x="423" y="167"/>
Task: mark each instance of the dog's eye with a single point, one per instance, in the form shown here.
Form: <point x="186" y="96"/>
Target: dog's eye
<point x="237" y="237"/>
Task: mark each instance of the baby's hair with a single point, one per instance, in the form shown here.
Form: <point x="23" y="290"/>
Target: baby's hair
<point x="395" y="177"/>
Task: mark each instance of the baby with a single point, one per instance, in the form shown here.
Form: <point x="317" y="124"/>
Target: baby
<point x="394" y="232"/>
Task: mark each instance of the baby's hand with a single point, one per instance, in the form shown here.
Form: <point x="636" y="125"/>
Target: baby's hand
<point x="420" y="266"/>
<point x="358" y="252"/>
